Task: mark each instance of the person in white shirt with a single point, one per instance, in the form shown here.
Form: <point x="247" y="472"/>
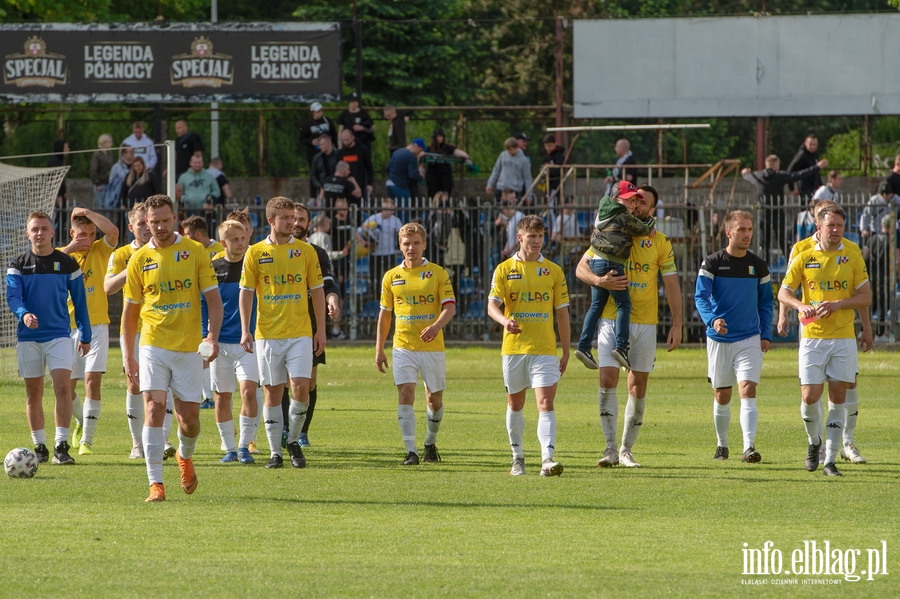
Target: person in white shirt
<point x="387" y="226"/>
<point x="142" y="144"/>
<point x="878" y="207"/>
<point x="830" y="191"/>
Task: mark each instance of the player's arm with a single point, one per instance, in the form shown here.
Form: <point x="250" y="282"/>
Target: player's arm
<point x="565" y="335"/>
<point x="609" y="281"/>
<point x="448" y="311"/>
<point x="764" y="307"/>
<point x="318" y="299"/>
<point x="130" y="313"/>
<point x="703" y="300"/>
<point x="673" y="298"/>
<point x="245" y="306"/>
<point x="106" y="226"/>
<point x="867" y="338"/>
<point x="82" y="318"/>
<point x="381" y="333"/>
<point x="215" y="313"/>
<point x="496" y="314"/>
<point x="113" y="283"/>
<point x="786" y="296"/>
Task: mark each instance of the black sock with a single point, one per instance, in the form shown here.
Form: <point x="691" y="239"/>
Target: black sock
<point x="286" y="404"/>
<point x="310" y="409"/>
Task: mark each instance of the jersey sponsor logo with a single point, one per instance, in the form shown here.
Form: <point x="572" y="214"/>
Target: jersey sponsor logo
<point x="414" y="317"/>
<point x="151" y="266"/>
<point x="177" y="307"/>
<point x="835" y="285"/>
<point x="427" y="274"/>
<point x="182" y="255"/>
<point x="513" y="276"/>
<point x="637" y="266"/>
<point x="843" y="259"/>
<point x="286" y="279"/>
<point x="266" y="260"/>
<point x="646" y="243"/>
<point x="395" y="282"/>
<point x="417" y="300"/>
<point x="812" y="265"/>
<point x="529" y="296"/>
<point x="169" y="286"/>
<point x="293" y="254"/>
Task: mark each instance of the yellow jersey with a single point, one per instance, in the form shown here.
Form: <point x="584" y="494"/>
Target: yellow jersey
<point x="281" y="276"/>
<point x="811" y="241"/>
<point x="167" y="283"/>
<point x="649" y="256"/>
<point x="215" y="248"/>
<point x="118" y="262"/>
<point x="219" y="255"/>
<point x="417" y="296"/>
<point x="531" y="292"/>
<point x="92" y="264"/>
<point x="827" y="276"/>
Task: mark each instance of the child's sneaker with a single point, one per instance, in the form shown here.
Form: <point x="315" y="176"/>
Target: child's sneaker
<point x="586" y="358"/>
<point x="621" y="356"/>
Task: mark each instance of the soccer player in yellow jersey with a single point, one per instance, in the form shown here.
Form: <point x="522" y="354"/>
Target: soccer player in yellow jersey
<point x="281" y="271"/>
<point x="834" y="283"/>
<point x="530" y="289"/>
<point x="195" y="227"/>
<point x="116" y="272"/>
<point x="849" y="451"/>
<point x="421" y="296"/>
<point x="650" y="257"/>
<point x="91" y="254"/>
<point x="163" y="286"/>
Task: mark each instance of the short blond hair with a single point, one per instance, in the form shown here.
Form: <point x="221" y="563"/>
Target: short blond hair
<point x="230" y="224"/>
<point x="278" y="203"/>
<point x="772" y="160"/>
<point x="410" y="229"/>
<point x="510" y="143"/>
<point x="821" y="206"/>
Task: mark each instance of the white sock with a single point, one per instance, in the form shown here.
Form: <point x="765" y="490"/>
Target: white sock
<point x="39" y="437"/>
<point x="170" y="412"/>
<point x="335" y="331"/>
<point x="634" y="418"/>
<point x="274" y="422"/>
<point x="207" y="384"/>
<point x="820" y="407"/>
<point x="297" y="414"/>
<point x="749" y="419"/>
<point x="187" y="445"/>
<point x="91" y="416"/>
<point x="810" y="416"/>
<point x="837" y="415"/>
<point x="226" y="431"/>
<point x="433" y="424"/>
<point x="248" y="430"/>
<point x="608" y="403"/>
<point x="77" y="409"/>
<point x="134" y="411"/>
<point x="62" y="434"/>
<point x="154" y="442"/>
<point x="406" y="417"/>
<point x="546" y="434"/>
<point x="515" y="426"/>
<point x="721" y="418"/>
<point x="852" y="404"/>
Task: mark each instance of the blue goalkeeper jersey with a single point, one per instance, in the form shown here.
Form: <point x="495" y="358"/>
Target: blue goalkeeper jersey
<point x="41" y="285"/>
<point x="229" y="276"/>
<point x="738" y="290"/>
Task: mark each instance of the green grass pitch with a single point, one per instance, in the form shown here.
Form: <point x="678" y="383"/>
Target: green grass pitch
<point x="356" y="523"/>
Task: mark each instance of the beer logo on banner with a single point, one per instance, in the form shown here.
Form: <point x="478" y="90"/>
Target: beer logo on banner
<point x="202" y="67"/>
<point x="35" y="67"/>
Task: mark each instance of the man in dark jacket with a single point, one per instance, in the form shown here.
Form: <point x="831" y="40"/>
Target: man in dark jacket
<point x="323" y="165"/>
<point x="805" y="158"/>
<point x="360" y="160"/>
<point x="313" y="128"/>
<point x="397" y="129"/>
<point x="770" y="184"/>
<point x="555" y="155"/>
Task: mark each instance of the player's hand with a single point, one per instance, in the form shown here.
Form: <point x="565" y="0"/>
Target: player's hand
<point x="512" y="327"/>
<point x="380" y="360"/>
<point x="744" y="171"/>
<point x="720" y="326"/>
<point x="132" y="371"/>
<point x="247" y="342"/>
<point x="30" y="321"/>
<point x="563" y="362"/>
<point x="783" y="325"/>
<point x="488" y="189"/>
<point x="334" y="309"/>
<point x="83" y="348"/>
<point x="826" y="309"/>
<point x="764" y="345"/>
<point x="822" y="163"/>
<point x="674" y="339"/>
<point x="319" y="342"/>
<point x="82" y="244"/>
<point x="807" y="311"/>
<point x="613" y="281"/>
<point x="215" y="349"/>
<point x="866" y="341"/>
<point x="429" y="333"/>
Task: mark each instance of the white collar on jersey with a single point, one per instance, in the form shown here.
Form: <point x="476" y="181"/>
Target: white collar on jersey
<point x="540" y="257"/>
<point x="424" y="262"/>
<point x="135" y="245"/>
<point x="270" y="242"/>
<point x="177" y="240"/>
<point x="821" y="249"/>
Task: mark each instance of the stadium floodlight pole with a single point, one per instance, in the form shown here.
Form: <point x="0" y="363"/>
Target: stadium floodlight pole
<point x="632" y="127"/>
<point x="214" y="106"/>
<point x="170" y="169"/>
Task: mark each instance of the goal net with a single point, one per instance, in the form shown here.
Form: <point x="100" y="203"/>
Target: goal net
<point x="22" y="191"/>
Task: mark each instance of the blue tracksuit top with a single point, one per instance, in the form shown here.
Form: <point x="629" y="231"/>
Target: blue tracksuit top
<point x="738" y="290"/>
<point x="229" y="275"/>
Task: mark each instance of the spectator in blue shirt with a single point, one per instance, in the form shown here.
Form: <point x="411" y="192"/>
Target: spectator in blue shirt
<point x="404" y="172"/>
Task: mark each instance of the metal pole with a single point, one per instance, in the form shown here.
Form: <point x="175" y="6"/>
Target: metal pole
<point x="760" y="143"/>
<point x="359" y="61"/>
<point x="170" y="168"/>
<point x="214" y="106"/>
<point x="559" y="76"/>
<point x="351" y="293"/>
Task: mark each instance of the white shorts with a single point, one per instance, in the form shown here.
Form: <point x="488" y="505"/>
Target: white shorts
<point x="828" y="359"/>
<point x="432" y="365"/>
<point x="163" y="368"/>
<point x="232" y="360"/>
<point x="731" y="363"/>
<point x="280" y="358"/>
<point x="526" y="371"/>
<point x="642" y="345"/>
<point x="95" y="360"/>
<point x="33" y="357"/>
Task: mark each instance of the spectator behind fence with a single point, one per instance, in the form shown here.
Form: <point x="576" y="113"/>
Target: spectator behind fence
<point x="621" y="172"/>
<point x="556" y="155"/>
<point x="877" y="254"/>
<point x="118" y="172"/>
<point x="831" y="190"/>
<point x="101" y="163"/>
<point x="386" y="226"/>
<point x="312" y="129"/>
<point x="509" y="219"/>
<point x="396" y="129"/>
<point x="806" y="221"/>
<point x="523" y="140"/>
<point x="323" y="166"/>
<point x="342" y="233"/>
<point x="197" y="189"/>
<point x="876" y="209"/>
<point x="893" y="178"/>
<point x="140" y="183"/>
<point x="321" y="236"/>
<point x="439" y="173"/>
<point x="805" y="158"/>
<point x="404" y="172"/>
<point x="215" y="169"/>
<point x="187" y="145"/>
<point x="142" y="144"/>
<point x="340" y="185"/>
<point x="769" y="184"/>
<point x="359" y="158"/>
<point x="357" y="121"/>
<point x="512" y="171"/>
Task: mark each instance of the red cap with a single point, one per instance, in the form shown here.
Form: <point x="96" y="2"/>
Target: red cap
<point x="628" y="190"/>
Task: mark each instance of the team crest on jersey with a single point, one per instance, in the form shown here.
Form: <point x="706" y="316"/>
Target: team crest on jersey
<point x="56" y="266"/>
<point x="646" y="243"/>
<point x="293" y="253"/>
<point x="752" y="270"/>
<point x="543" y="272"/>
<point x="843" y="259"/>
<point x="427" y="274"/>
<point x="182" y="255"/>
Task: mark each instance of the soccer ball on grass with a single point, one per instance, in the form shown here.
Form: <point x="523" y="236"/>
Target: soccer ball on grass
<point x="21" y="463"/>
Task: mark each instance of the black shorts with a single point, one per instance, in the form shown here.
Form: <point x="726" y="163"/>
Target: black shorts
<point x="318" y="359"/>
